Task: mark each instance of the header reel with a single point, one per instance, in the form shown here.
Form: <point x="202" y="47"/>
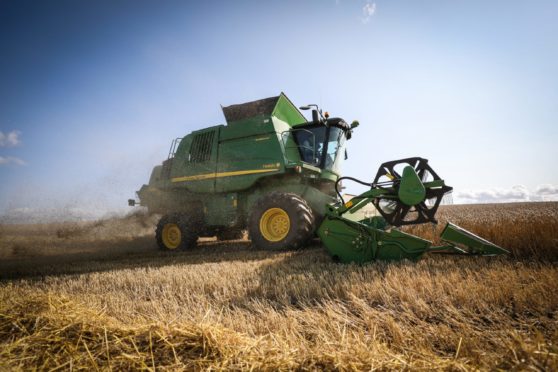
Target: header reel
<point x="402" y="204"/>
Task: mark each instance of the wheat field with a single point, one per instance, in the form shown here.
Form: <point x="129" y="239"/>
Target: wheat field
<point x="99" y="296"/>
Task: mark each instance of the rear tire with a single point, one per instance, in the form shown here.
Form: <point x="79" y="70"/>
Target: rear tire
<point x="177" y="232"/>
<point x="281" y="220"/>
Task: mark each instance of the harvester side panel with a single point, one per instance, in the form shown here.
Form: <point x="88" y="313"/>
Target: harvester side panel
<point x="246" y="159"/>
<point x="258" y="125"/>
<point x="195" y="162"/>
<point x="231" y="158"/>
<point x="222" y="210"/>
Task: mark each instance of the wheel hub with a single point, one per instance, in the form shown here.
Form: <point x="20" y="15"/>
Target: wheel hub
<point x="275" y="224"/>
<point x="172" y="236"/>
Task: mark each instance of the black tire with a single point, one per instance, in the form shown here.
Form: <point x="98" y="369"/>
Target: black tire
<point x="177" y="232"/>
<point x="301" y="221"/>
<point x="231" y="234"/>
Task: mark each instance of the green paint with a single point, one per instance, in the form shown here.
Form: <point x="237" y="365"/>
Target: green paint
<point x="370" y="239"/>
<point x="458" y="237"/>
<point x="359" y="242"/>
<point x="253" y="155"/>
<point x="287" y="112"/>
<point x="222" y="172"/>
<point x="411" y="191"/>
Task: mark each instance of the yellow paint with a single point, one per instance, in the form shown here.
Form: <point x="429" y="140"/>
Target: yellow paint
<point x="275" y="224"/>
<point x="206" y="176"/>
<point x="349" y="204"/>
<point x="172" y="236"/>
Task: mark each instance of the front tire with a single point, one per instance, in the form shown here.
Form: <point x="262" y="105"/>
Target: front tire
<point x="281" y="220"/>
<point x="176" y="232"/>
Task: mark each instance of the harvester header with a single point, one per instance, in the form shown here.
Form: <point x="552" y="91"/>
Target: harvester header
<point x="405" y="192"/>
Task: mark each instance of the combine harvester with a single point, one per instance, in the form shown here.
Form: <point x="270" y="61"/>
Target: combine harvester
<point x="271" y="171"/>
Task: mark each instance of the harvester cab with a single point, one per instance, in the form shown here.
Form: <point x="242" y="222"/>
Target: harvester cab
<point x="322" y="142"/>
<point x="272" y="172"/>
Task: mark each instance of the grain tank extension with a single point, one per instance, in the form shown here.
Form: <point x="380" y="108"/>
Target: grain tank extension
<point x="273" y="172"/>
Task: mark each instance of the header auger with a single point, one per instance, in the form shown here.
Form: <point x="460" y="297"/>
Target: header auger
<point x="276" y="174"/>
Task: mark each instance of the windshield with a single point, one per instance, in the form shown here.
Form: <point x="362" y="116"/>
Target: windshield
<point x="335" y="150"/>
<point x="312" y="142"/>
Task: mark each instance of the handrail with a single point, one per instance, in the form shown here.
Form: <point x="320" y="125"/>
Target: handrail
<point x="174" y="147"/>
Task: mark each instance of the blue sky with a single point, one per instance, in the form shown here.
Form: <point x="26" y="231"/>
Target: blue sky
<point x="93" y="92"/>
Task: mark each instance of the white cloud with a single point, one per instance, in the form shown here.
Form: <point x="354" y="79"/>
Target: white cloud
<point x="10" y="139"/>
<point x="547" y="189"/>
<point x="7" y="160"/>
<point x="517" y="193"/>
<point x="368" y="11"/>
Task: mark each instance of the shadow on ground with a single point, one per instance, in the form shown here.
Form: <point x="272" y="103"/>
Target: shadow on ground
<point x="100" y="256"/>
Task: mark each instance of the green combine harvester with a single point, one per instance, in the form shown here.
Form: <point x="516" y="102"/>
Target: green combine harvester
<point x="276" y="174"/>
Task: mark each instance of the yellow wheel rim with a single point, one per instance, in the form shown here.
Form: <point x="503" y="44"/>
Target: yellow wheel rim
<point x="275" y="224"/>
<point x="172" y="236"/>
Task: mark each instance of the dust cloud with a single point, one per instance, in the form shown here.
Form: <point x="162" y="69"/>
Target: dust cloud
<point x="68" y="238"/>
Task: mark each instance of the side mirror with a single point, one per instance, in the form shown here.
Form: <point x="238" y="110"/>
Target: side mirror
<point x="354" y="124"/>
<point x="315" y="116"/>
